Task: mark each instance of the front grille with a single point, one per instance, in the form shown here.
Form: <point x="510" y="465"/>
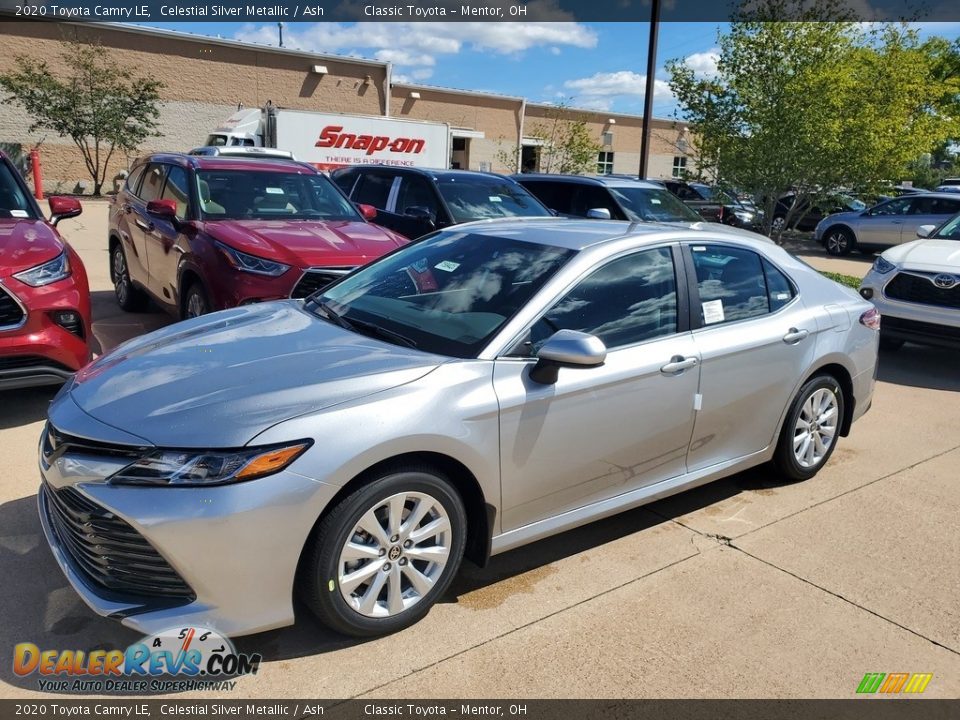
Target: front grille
<point x="317" y="279"/>
<point x="11" y="314"/>
<point x="56" y="443"/>
<point x="920" y="289"/>
<point x="110" y="553"/>
<point x="19" y="362"/>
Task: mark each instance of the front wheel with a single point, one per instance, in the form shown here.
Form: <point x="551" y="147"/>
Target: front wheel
<point x="384" y="555"/>
<point x="811" y="429"/>
<point x="195" y="303"/>
<point x="778" y="225"/>
<point x="838" y="242"/>
<point x="129" y="297"/>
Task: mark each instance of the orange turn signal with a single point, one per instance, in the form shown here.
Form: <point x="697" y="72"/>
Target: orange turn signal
<point x="270" y="462"/>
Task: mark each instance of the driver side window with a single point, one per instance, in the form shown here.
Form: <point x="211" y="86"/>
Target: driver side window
<point x="627" y="301"/>
<point x="900" y="206"/>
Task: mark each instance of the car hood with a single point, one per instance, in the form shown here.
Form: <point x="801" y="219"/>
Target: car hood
<point x="848" y="216"/>
<point x="306" y="243"/>
<point x="221" y="379"/>
<point x="25" y="244"/>
<point x="931" y="255"/>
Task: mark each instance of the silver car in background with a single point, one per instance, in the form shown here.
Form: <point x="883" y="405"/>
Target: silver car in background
<point x="490" y="385"/>
<point x="886" y="224"/>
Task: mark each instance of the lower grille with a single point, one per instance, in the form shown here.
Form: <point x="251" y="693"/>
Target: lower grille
<point x="19" y="362"/>
<point x="920" y="289"/>
<point x="317" y="279"/>
<point x="11" y="314"/>
<point x="921" y="329"/>
<point x="110" y="553"/>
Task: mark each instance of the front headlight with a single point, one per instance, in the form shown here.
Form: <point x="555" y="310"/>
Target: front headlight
<point x="208" y="467"/>
<point x="744" y="215"/>
<point x="252" y="263"/>
<point x="50" y="272"/>
<point x="883" y="266"/>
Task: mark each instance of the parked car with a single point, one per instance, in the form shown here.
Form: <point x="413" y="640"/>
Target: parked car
<point x="44" y="295"/>
<point x="490" y="385"/>
<point x="415" y="201"/>
<point x="810" y="213"/>
<point x="890" y="223"/>
<point x="242" y="151"/>
<point x="607" y="197"/>
<point x="948" y="188"/>
<point x="916" y="287"/>
<point x="714" y="204"/>
<point x="197" y="233"/>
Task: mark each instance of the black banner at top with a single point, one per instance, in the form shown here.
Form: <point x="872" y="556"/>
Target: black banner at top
<point x="153" y="11"/>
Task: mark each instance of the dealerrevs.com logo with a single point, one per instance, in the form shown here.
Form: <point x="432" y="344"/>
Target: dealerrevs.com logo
<point x="191" y="658"/>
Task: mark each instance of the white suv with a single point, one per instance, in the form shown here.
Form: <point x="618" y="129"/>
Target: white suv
<point x="916" y="288"/>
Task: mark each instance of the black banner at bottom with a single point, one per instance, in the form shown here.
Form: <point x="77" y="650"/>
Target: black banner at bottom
<point x="874" y="708"/>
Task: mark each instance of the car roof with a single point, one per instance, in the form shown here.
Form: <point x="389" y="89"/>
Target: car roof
<point x="435" y="173"/>
<point x="229" y="162"/>
<point x="602" y="181"/>
<point x="578" y="234"/>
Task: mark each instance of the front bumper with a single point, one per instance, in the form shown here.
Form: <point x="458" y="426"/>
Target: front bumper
<point x="235" y="546"/>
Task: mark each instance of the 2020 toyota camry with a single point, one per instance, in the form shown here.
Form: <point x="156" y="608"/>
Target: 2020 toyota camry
<point x="489" y="385"/>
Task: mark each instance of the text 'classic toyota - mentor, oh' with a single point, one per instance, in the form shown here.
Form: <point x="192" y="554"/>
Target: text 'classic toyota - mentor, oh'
<point x="492" y="384"/>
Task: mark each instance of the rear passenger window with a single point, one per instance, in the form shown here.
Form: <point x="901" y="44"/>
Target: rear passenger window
<point x="779" y="288"/>
<point x="730" y="282"/>
<point x="374" y="189"/>
<point x="152" y="183"/>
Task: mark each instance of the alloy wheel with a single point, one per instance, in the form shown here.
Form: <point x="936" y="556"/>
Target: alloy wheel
<point x="395" y="554"/>
<point x="121" y="279"/>
<point x="196" y="305"/>
<point x="816" y="428"/>
<point x="777" y="224"/>
<point x="837" y="243"/>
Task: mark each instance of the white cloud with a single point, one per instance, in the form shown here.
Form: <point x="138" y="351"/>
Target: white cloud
<point x="599" y="91"/>
<point x="704" y="64"/>
<point x="414" y="46"/>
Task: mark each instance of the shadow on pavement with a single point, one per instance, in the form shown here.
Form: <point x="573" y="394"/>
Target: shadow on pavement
<point x="112" y="326"/>
<point x="22" y="407"/>
<point x="921" y="367"/>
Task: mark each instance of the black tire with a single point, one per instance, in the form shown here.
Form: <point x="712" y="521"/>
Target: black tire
<point x="129" y="297"/>
<point x="785" y="458"/>
<point x="195" y="302"/>
<point x="319" y="575"/>
<point x="890" y="344"/>
<point x="839" y="241"/>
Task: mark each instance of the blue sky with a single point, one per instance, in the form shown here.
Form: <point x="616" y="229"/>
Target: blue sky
<point x="597" y="65"/>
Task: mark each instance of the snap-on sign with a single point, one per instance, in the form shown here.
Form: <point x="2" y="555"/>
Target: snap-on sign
<point x="332" y="136"/>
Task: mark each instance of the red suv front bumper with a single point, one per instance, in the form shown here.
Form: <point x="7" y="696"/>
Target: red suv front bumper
<point x="44" y="331"/>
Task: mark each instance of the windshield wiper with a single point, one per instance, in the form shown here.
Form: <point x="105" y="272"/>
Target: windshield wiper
<point x="330" y="314"/>
<point x="370" y="328"/>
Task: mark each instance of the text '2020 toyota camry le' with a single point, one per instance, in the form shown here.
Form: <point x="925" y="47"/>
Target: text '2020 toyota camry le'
<point x="489" y="385"/>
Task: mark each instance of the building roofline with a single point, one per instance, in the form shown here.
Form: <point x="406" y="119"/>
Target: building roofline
<point x="457" y="91"/>
<point x="608" y="113"/>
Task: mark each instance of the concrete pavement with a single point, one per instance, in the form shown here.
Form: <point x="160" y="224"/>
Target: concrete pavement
<point x="747" y="587"/>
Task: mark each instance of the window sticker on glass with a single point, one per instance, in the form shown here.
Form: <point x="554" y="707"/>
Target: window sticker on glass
<point x="655" y="201"/>
<point x="782" y="296"/>
<point x="447" y="265"/>
<point x="274" y="191"/>
<point x="496" y="198"/>
<point x="712" y="312"/>
<point x="19" y="213"/>
<point x="699" y="248"/>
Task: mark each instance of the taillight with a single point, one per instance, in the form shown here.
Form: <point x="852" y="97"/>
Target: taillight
<point x="871" y="319"/>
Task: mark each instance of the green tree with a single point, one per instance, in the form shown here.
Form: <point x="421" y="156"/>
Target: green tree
<point x="566" y="144"/>
<point x="814" y="106"/>
<point x="100" y="106"/>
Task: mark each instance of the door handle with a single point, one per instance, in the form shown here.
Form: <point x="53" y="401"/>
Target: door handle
<point x="678" y="364"/>
<point x="144" y="225"/>
<point x="794" y="336"/>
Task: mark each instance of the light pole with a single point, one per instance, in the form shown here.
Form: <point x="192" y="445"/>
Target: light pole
<point x="651" y="79"/>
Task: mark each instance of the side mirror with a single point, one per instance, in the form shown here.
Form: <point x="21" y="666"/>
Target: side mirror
<point x="599" y="214"/>
<point x="369" y="212"/>
<point x="422" y="214"/>
<point x="166" y="209"/>
<point x="924" y="231"/>
<point x="63" y="207"/>
<point x="567" y="348"/>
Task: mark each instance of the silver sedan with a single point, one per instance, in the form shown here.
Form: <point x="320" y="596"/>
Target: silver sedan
<point x="490" y="385"/>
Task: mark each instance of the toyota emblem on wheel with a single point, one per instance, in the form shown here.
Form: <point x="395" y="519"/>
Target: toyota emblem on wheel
<point x="945" y="281"/>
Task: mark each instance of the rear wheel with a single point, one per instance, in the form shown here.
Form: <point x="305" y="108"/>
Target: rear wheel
<point x="129" y="298"/>
<point x="811" y="429"/>
<point x="383" y="556"/>
<point x="838" y="242"/>
<point x="195" y="303"/>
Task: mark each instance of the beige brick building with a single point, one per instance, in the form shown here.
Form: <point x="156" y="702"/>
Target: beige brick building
<point x="205" y="79"/>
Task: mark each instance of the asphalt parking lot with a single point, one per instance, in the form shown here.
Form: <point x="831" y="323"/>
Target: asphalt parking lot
<point x="744" y="588"/>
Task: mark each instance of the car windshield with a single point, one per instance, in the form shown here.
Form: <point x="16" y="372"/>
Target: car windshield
<point x="250" y="194"/>
<point x="13" y="201"/>
<point x="950" y="230"/>
<point x="851" y="202"/>
<point x="446" y="294"/>
<point x="653" y="205"/>
<point x="478" y="197"/>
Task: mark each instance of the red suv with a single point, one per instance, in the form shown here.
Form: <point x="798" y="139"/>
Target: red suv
<point x="198" y="234"/>
<point x="44" y="296"/>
